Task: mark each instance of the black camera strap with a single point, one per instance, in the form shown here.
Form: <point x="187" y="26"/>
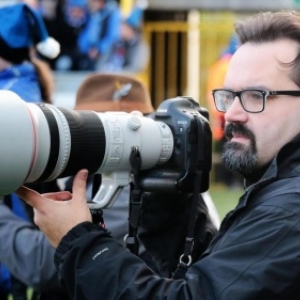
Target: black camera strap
<point x="97" y="213"/>
<point x="131" y="240"/>
<point x="197" y="155"/>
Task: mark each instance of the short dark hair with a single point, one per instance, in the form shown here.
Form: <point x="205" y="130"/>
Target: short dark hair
<point x="273" y="26"/>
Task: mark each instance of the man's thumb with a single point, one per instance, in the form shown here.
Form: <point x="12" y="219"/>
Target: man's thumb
<point x="79" y="184"/>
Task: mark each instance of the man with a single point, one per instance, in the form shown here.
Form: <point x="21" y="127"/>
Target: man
<point x="256" y="254"/>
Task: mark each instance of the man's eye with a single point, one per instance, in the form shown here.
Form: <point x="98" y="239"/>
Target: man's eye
<point x="225" y="96"/>
<point x="255" y="96"/>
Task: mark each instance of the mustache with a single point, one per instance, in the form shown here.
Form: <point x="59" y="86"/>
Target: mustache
<point x="237" y="128"/>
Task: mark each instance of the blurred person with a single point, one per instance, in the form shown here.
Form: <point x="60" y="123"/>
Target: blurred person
<point x="21" y="29"/>
<point x="100" y="33"/>
<point x="49" y="10"/>
<point x="256" y="253"/>
<point x="76" y="12"/>
<point x="25" y="254"/>
<point x="130" y="53"/>
<point x="64" y="20"/>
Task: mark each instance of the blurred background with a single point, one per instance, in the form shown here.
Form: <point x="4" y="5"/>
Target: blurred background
<point x="179" y="43"/>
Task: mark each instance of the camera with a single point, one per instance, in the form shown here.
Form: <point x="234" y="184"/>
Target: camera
<point x="192" y="150"/>
<point x="41" y="142"/>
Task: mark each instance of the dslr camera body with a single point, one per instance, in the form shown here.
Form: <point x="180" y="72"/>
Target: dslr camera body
<point x="192" y="150"/>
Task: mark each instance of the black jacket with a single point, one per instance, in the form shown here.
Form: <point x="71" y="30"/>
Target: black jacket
<point x="255" y="255"/>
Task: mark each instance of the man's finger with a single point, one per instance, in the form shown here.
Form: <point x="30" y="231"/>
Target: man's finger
<point x="79" y="184"/>
<point x="59" y="196"/>
<point x="29" y="196"/>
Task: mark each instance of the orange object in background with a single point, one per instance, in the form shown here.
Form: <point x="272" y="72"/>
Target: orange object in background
<point x="216" y="78"/>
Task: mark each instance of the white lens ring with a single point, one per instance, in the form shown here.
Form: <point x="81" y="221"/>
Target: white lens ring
<point x="167" y="143"/>
<point x="64" y="142"/>
<point x="43" y="144"/>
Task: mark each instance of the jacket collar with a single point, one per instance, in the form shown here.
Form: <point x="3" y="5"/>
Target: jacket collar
<point x="286" y="164"/>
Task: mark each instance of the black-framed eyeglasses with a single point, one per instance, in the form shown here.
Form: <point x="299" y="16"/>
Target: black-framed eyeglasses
<point x="253" y="101"/>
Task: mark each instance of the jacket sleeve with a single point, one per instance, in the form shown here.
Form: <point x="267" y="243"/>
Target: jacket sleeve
<point x="253" y="257"/>
<point x="256" y="254"/>
<point x="89" y="259"/>
<point x="91" y="264"/>
<point x="26" y="252"/>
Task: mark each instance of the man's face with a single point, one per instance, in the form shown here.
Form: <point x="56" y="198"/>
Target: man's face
<point x="254" y="139"/>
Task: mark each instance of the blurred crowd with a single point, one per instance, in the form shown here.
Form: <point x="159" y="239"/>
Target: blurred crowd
<point x="95" y="35"/>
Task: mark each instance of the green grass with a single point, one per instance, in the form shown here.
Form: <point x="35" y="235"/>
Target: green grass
<point x="225" y="199"/>
<point x="29" y="294"/>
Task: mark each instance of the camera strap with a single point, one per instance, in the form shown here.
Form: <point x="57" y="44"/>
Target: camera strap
<point x="185" y="259"/>
<point x="131" y="240"/>
<point x="197" y="155"/>
<point x="97" y="213"/>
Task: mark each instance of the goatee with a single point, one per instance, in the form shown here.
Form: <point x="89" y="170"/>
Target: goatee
<point x="239" y="157"/>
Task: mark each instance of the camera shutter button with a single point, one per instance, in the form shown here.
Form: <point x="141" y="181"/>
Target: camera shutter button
<point x="134" y="123"/>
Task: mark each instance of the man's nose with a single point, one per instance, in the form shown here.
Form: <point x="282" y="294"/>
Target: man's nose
<point x="236" y="112"/>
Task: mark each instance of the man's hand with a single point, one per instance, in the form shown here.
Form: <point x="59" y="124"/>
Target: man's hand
<point x="57" y="213"/>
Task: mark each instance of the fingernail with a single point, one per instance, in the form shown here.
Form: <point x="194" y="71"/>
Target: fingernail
<point x="85" y="173"/>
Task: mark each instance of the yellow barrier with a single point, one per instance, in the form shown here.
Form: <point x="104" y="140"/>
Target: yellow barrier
<point x="166" y="75"/>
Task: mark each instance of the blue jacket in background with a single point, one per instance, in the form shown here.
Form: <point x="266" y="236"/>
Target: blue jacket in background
<point x="102" y="30"/>
<point x="23" y="80"/>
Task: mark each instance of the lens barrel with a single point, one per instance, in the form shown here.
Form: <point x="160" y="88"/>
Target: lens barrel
<point x="41" y="142"/>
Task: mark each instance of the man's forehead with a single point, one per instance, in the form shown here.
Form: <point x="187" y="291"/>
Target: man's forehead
<point x="283" y="50"/>
<point x="259" y="63"/>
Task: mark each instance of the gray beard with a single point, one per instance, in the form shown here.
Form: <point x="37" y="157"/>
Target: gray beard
<point x="237" y="157"/>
